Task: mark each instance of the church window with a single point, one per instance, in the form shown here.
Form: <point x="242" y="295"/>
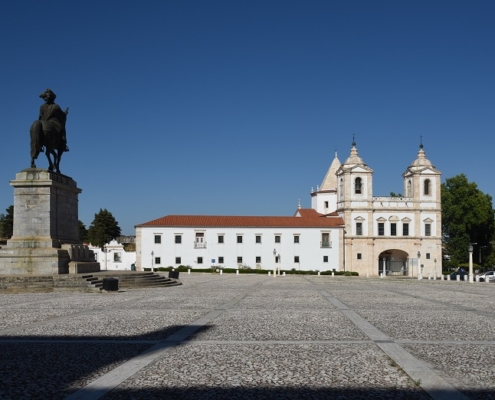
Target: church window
<point x="199" y="260"/>
<point x="427" y="256"/>
<point x="409" y="189"/>
<point x="358" y="185"/>
<point x="117" y="257"/>
<point x="341" y="188"/>
<point x="427" y="187"/>
<point x="325" y="240"/>
<point x="326" y="204"/>
<point x="178" y="239"/>
<point x="405" y="229"/>
<point x="427" y="229"/>
<point x="359" y="256"/>
<point x="158" y="260"/>
<point x="359" y="228"/>
<point x="220" y="260"/>
<point x="393" y="229"/>
<point x="381" y="229"/>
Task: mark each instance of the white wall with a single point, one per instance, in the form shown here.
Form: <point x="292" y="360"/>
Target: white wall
<point x="308" y="249"/>
<point x="115" y="251"/>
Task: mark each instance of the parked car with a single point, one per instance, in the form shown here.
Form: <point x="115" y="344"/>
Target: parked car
<point x="490" y="275"/>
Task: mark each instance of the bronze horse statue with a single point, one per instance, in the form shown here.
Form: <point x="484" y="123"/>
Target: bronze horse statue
<point x="48" y="132"/>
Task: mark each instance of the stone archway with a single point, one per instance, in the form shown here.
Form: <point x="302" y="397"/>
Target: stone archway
<point x="393" y="262"/>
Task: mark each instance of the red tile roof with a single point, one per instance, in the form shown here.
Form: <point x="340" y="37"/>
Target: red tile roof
<point x="245" y="221"/>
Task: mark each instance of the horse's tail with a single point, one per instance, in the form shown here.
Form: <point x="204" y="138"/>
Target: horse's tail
<point x="36" y="131"/>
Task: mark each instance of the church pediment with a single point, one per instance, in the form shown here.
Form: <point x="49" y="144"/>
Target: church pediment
<point x="381" y="219"/>
<point x="394" y="218"/>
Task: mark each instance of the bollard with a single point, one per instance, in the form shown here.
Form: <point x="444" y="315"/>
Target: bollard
<point x="477" y="278"/>
<point x="333" y="274"/>
<point x="448" y="277"/>
<point x="381" y="275"/>
<point x="367" y="274"/>
<point x="269" y="273"/>
<point x="221" y="272"/>
<point x="429" y="277"/>
<point x="486" y="279"/>
<point x="237" y="272"/>
<point x="318" y="273"/>
<point x="283" y="274"/>
<point x="458" y="278"/>
<point x="189" y="271"/>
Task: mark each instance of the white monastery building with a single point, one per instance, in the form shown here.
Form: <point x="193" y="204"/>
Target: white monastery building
<point x="346" y="228"/>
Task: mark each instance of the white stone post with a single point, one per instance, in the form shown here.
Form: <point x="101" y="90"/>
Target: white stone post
<point x="189" y="271"/>
<point x="237" y="272"/>
<point x="333" y="274"/>
<point x="221" y="272"/>
<point x="471" y="262"/>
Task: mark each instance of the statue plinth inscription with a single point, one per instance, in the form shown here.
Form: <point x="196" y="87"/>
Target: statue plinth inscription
<point x="46" y="237"/>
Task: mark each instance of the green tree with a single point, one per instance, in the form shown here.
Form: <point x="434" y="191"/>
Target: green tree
<point x="103" y="229"/>
<point x="83" y="232"/>
<point x="7" y="223"/>
<point x="467" y="217"/>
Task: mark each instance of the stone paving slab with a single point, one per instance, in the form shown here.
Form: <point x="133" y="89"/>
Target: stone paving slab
<point x="471" y="367"/>
<point x="53" y="371"/>
<point x="281" y="325"/>
<point x="291" y="371"/>
<point x="434" y="325"/>
<point x="137" y="324"/>
<point x="10" y="318"/>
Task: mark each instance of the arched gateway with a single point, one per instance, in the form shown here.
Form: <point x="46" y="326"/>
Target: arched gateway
<point x="393" y="262"/>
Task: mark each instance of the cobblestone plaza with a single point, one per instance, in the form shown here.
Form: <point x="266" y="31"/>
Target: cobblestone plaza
<point x="253" y="336"/>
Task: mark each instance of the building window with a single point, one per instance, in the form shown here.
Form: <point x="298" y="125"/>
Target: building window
<point x="427" y="187"/>
<point x="177" y="260"/>
<point x="199" y="260"/>
<point x="427" y="229"/>
<point x="409" y="189"/>
<point x="393" y="229"/>
<point x="325" y="240"/>
<point x="405" y="229"/>
<point x="325" y="258"/>
<point x="296" y="259"/>
<point x="158" y="260"/>
<point x="277" y="239"/>
<point x="258" y="260"/>
<point x="357" y="186"/>
<point x="258" y="238"/>
<point x="239" y="239"/>
<point x="359" y="256"/>
<point x="359" y="228"/>
<point x="341" y="188"/>
<point x="117" y="257"/>
<point x="381" y="229"/>
<point x="178" y="239"/>
<point x="239" y="260"/>
<point x="158" y="239"/>
<point x="427" y="256"/>
<point x="220" y="260"/>
<point x="296" y="238"/>
<point x="326" y="204"/>
<point x="220" y="238"/>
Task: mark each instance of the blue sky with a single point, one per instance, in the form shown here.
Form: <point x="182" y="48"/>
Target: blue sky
<point x="236" y="107"/>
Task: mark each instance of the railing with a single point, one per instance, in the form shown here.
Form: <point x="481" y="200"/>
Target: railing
<point x="326" y="245"/>
<point x="200" y="245"/>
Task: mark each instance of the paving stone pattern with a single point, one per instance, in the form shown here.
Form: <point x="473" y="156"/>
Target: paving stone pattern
<point x="251" y="336"/>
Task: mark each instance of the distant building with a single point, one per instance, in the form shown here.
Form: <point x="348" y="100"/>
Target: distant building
<point x="114" y="257"/>
<point x="347" y="228"/>
<point x="390" y="235"/>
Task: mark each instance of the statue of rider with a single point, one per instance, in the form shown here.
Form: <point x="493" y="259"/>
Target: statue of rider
<point x="52" y="117"/>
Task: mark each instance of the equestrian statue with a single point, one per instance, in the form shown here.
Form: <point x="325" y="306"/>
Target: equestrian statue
<point x="48" y="132"/>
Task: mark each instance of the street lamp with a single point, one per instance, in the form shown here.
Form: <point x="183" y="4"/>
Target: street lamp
<point x="152" y="268"/>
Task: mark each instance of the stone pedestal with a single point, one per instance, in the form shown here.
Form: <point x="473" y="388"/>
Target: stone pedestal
<point x="46" y="230"/>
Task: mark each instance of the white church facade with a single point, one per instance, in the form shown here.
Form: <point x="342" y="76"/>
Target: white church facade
<point x="346" y="228"/>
